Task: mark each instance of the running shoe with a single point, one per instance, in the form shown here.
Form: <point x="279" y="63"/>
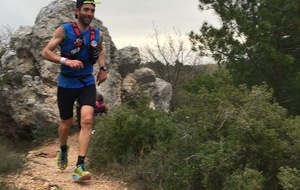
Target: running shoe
<point x="80" y="174"/>
<point x="62" y="161"/>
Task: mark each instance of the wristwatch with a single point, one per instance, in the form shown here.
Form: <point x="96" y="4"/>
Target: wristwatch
<point x="103" y="68"/>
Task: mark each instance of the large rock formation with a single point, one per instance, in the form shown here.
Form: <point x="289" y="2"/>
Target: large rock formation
<point x="28" y="83"/>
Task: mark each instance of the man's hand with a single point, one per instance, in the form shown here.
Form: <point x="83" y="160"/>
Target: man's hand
<point x="101" y="77"/>
<point x="75" y="64"/>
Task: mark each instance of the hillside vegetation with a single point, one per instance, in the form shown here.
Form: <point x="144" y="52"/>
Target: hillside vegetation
<point x="223" y="137"/>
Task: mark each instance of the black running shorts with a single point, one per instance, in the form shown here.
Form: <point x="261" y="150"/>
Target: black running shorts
<point x="66" y="98"/>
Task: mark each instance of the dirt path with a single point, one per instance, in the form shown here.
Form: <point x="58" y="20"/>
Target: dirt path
<point x="41" y="173"/>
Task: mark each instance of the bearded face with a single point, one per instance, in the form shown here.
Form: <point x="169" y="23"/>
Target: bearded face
<point x="86" y="14"/>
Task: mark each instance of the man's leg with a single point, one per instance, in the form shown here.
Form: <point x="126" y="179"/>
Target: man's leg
<point x="86" y="129"/>
<point x="80" y="173"/>
<point x="65" y="99"/>
<point x="78" y="115"/>
<point x="63" y="132"/>
<point x="86" y="100"/>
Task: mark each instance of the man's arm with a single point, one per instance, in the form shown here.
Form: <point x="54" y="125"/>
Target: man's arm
<point x="102" y="75"/>
<point x="101" y="59"/>
<point x="49" y="55"/>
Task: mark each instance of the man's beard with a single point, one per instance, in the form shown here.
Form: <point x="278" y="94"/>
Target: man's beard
<point x="82" y="20"/>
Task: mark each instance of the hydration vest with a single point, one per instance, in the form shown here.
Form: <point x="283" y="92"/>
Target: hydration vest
<point x="93" y="48"/>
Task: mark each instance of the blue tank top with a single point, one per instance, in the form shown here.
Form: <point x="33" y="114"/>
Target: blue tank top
<point x="87" y="70"/>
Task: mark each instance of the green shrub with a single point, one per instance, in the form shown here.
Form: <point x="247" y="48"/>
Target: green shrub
<point x="11" y="161"/>
<point x="289" y="178"/>
<point x="4" y="186"/>
<point x="248" y="179"/>
<point x="126" y="134"/>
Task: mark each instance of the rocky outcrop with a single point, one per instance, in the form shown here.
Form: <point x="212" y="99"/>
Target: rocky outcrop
<point x="145" y="80"/>
<point x="129" y="60"/>
<point x="28" y="82"/>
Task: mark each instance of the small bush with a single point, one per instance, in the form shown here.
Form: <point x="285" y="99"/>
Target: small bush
<point x="125" y="135"/>
<point x="289" y="178"/>
<point x="248" y="179"/>
<point x="11" y="161"/>
<point x="4" y="186"/>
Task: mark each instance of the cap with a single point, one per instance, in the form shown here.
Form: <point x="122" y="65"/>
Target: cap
<point x="79" y="3"/>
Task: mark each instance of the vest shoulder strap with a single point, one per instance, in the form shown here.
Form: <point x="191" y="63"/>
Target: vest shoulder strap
<point x="76" y="29"/>
<point x="78" y="34"/>
<point x="93" y="33"/>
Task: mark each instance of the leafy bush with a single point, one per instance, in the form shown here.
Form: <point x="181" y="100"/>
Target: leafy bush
<point x="3" y="186"/>
<point x="11" y="161"/>
<point x="126" y="134"/>
<point x="248" y="179"/>
<point x="289" y="178"/>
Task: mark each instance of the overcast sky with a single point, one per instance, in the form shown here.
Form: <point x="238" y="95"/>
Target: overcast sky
<point x="129" y="22"/>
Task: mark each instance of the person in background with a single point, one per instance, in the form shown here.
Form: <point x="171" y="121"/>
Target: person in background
<point x="81" y="48"/>
<point x="100" y="108"/>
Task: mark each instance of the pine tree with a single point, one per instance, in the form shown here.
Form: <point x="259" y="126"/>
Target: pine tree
<point x="258" y="41"/>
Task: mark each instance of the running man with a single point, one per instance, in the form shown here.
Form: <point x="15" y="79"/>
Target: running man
<point x="81" y="48"/>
